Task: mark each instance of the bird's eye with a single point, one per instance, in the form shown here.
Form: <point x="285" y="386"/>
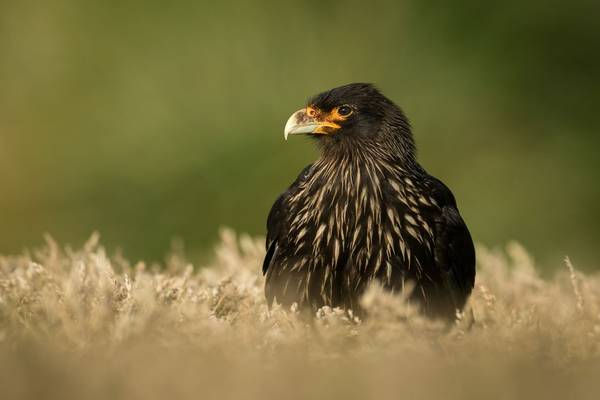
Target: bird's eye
<point x="344" y="111"/>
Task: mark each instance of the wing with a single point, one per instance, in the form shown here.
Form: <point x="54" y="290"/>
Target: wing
<point x="277" y="218"/>
<point x="454" y="253"/>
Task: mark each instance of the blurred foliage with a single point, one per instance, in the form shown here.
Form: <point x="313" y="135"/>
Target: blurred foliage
<point x="153" y="120"/>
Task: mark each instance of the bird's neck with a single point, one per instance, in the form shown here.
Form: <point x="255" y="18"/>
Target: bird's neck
<point x="375" y="158"/>
<point x="342" y="189"/>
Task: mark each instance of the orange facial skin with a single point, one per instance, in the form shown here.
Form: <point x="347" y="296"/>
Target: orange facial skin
<point x="328" y="121"/>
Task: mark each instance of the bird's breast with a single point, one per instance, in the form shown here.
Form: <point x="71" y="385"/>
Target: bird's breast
<point x="356" y="215"/>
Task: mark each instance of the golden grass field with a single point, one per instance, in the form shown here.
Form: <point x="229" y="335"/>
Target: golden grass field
<point x="77" y="324"/>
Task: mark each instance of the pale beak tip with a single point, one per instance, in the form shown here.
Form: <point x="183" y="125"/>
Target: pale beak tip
<point x="290" y="125"/>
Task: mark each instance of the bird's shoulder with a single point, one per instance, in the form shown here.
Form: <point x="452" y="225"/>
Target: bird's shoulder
<point x="437" y="191"/>
<point x="278" y="208"/>
<point x="417" y="193"/>
<point x="278" y="215"/>
<point x="439" y="202"/>
<point x="454" y="249"/>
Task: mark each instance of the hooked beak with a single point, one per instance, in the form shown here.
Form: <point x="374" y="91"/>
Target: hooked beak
<point x="301" y="122"/>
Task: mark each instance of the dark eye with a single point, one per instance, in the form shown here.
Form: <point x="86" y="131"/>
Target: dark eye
<point x="344" y="111"/>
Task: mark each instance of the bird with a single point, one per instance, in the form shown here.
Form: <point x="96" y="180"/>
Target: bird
<point x="365" y="212"/>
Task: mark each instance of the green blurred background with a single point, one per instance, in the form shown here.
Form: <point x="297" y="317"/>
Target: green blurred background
<point x="152" y="120"/>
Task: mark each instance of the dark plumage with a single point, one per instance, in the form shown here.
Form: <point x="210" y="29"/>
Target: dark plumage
<point x="364" y="211"/>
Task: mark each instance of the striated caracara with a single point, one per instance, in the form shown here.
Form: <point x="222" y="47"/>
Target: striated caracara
<point x="364" y="211"/>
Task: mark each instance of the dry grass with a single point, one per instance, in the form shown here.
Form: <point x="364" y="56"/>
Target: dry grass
<point x="77" y="324"/>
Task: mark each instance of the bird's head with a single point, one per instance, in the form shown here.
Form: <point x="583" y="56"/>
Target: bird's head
<point x="354" y="116"/>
